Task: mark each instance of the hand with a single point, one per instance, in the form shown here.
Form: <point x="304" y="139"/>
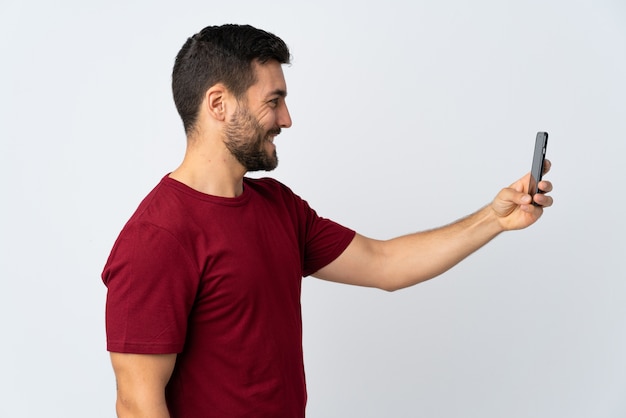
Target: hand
<point x="513" y="206"/>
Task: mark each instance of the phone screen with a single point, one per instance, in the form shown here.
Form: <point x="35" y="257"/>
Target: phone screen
<point x="536" y="171"/>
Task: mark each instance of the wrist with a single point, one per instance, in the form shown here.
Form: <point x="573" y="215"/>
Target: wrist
<point x="492" y="220"/>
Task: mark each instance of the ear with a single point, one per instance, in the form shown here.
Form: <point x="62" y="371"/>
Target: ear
<point x="215" y="101"/>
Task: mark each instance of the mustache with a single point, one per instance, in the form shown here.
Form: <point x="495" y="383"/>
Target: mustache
<point x="275" y="131"/>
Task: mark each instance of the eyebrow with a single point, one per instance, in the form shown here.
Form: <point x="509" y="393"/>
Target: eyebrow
<point x="279" y="92"/>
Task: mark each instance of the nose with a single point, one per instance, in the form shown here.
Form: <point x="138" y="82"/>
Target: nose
<point x="284" y="119"/>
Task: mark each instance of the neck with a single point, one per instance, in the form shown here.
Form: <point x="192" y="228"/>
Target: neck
<point x="210" y="170"/>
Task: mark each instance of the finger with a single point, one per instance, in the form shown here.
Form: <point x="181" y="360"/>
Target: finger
<point x="545" y="186"/>
<point x="547" y="165"/>
<point x="543" y="200"/>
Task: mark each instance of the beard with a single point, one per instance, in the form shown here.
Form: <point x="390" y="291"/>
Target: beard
<point x="245" y="138"/>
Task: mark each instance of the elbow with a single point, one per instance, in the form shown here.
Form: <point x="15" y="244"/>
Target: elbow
<point x="393" y="283"/>
<point x="133" y="406"/>
<point x="124" y="407"/>
<point x="127" y="406"/>
<point x="389" y="285"/>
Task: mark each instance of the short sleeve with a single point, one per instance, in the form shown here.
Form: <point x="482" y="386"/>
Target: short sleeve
<point x="151" y="286"/>
<point x="325" y="241"/>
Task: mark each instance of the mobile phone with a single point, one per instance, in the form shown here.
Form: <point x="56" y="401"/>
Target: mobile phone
<point x="536" y="171"/>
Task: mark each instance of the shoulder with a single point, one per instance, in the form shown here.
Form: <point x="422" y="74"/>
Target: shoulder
<point x="267" y="183"/>
<point x="167" y="202"/>
<point x="157" y="231"/>
<point x="279" y="197"/>
<point x="271" y="188"/>
<point x="162" y="212"/>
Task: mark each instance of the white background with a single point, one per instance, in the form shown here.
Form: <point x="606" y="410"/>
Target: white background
<point x="407" y="115"/>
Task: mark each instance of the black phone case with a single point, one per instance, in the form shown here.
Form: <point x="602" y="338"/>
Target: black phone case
<point x="536" y="171"/>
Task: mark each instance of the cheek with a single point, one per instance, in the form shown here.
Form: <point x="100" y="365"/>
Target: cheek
<point x="267" y="119"/>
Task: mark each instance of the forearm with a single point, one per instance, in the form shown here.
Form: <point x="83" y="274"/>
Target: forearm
<point x="414" y="258"/>
<point x="404" y="261"/>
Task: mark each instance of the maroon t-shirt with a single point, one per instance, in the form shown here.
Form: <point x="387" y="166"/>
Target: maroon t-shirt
<point x="217" y="280"/>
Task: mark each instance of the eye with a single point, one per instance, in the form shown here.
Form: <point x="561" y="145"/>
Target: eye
<point x="274" y="102"/>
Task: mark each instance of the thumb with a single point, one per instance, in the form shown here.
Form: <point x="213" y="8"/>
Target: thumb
<point x="510" y="199"/>
<point x="525" y="198"/>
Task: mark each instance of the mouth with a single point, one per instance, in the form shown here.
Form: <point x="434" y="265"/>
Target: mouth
<point x="269" y="139"/>
<point x="271" y="135"/>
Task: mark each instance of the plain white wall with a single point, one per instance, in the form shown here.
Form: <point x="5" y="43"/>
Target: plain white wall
<point x="407" y="115"/>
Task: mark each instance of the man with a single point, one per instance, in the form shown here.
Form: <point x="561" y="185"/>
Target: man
<point x="203" y="306"/>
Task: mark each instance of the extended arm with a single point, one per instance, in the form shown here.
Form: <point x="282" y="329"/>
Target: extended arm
<point x="141" y="381"/>
<point x="410" y="259"/>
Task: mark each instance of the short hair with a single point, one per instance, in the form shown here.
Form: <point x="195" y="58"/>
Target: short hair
<point x="220" y="54"/>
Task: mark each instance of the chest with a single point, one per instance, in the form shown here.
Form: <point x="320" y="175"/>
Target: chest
<point x="251" y="261"/>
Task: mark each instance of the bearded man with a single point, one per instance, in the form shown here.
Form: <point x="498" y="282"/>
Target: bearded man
<point x="203" y="306"/>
